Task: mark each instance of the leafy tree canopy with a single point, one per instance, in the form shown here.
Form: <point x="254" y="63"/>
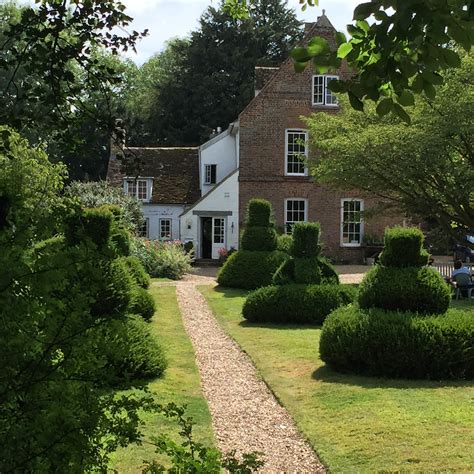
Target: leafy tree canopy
<point x="397" y="49"/>
<point x="426" y="168"/>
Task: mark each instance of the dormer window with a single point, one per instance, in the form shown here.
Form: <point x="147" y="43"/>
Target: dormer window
<point x="139" y="188"/>
<point x="321" y="93"/>
<point x="210" y="174"/>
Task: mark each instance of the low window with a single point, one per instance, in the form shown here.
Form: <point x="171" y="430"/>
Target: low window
<point x="296" y="152"/>
<point x="210" y="172"/>
<point x="143" y="229"/>
<point x="322" y="95"/>
<point x="165" y="229"/>
<point x="295" y="211"/>
<point x="351" y="222"/>
<point x="219" y="230"/>
<point x="139" y="188"/>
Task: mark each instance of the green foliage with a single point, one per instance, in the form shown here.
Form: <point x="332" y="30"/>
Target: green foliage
<point x="250" y="270"/>
<point x="101" y="194"/>
<point x="404" y="248"/>
<point x="142" y="303"/>
<point x="425" y="169"/>
<point x="306" y="239"/>
<point x="285" y="243"/>
<point x="137" y="271"/>
<point x="90" y="224"/>
<point x="121" y="242"/>
<point x="415" y="289"/>
<point x="328" y="272"/>
<point x="132" y="352"/>
<point x="307" y="270"/>
<point x="392" y="344"/>
<point x="286" y="272"/>
<point x="259" y="239"/>
<point x="259" y="212"/>
<point x="191" y="456"/>
<point x="295" y="303"/>
<point x="162" y="259"/>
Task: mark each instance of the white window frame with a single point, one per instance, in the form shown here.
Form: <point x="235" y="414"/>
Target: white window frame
<point x="146" y="226"/>
<point x="361" y="232"/>
<point x="208" y="176"/>
<point x="285" y="211"/>
<point x="326" y="92"/>
<point x="304" y="132"/>
<point x="170" y="228"/>
<point x="149" y="187"/>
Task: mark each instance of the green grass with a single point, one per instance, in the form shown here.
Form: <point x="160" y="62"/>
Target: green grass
<point x="356" y="424"/>
<point x="181" y="384"/>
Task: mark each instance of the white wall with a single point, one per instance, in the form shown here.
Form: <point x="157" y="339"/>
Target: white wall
<point x="224" y="198"/>
<point x="155" y="212"/>
<point x="220" y="151"/>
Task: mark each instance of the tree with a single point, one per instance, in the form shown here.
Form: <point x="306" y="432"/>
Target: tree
<point x="427" y="168"/>
<point x="402" y="52"/>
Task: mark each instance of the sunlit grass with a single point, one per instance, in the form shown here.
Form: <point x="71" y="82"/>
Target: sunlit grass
<point x="356" y="424"/>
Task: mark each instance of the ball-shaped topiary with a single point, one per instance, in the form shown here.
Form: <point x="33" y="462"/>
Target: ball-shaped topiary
<point x="138" y="272"/>
<point x="394" y="344"/>
<point x="142" y="303"/>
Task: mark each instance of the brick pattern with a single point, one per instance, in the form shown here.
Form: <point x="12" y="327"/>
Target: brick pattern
<point x="263" y="123"/>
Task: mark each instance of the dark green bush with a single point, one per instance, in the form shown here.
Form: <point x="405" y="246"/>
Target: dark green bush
<point x="133" y="352"/>
<point x="142" y="303"/>
<point x="285" y="243"/>
<point x="295" y="304"/>
<point x="121" y="241"/>
<point x="416" y="289"/>
<point x="259" y="212"/>
<point x="306" y="239"/>
<point x="113" y="297"/>
<point x="307" y="270"/>
<point x="259" y="239"/>
<point x="328" y="272"/>
<point x="250" y="270"/>
<point x="393" y="344"/>
<point x="285" y="273"/>
<point x="92" y="224"/>
<point x="403" y="248"/>
<point x="138" y="272"/>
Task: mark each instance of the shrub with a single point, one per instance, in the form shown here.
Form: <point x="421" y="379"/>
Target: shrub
<point x="393" y="344"/>
<point x="284" y="243"/>
<point x="296" y="304"/>
<point x="328" y="272"/>
<point x="162" y="259"/>
<point x="306" y="270"/>
<point x="259" y="238"/>
<point x="416" y="289"/>
<point x="259" y="212"/>
<point x="250" y="270"/>
<point x="91" y="224"/>
<point x="403" y="248"/>
<point x="137" y="271"/>
<point x="286" y="272"/>
<point x="121" y="241"/>
<point x="132" y="351"/>
<point x="306" y="239"/>
<point x="142" y="303"/>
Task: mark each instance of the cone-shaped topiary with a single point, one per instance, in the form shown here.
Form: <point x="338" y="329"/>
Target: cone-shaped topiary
<point x="258" y="259"/>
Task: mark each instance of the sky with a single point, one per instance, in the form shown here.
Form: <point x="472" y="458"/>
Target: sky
<point x="166" y="19"/>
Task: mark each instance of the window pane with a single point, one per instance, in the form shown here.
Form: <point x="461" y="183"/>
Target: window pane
<point x="318" y="90"/>
<point x="218" y="231"/>
<point x="330" y="98"/>
<point x="142" y="190"/>
<point x="351" y="222"/>
<point x="131" y="188"/>
<point x="143" y="230"/>
<point x="295" y="212"/>
<point x="296" y="151"/>
<point x="165" y="229"/>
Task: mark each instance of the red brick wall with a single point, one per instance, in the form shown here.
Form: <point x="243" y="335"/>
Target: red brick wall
<point x="263" y="123"/>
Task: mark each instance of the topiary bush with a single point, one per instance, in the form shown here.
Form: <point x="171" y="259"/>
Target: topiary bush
<point x="137" y="271"/>
<point x="396" y="344"/>
<point x="249" y="270"/>
<point x="296" y="303"/>
<point x="421" y="290"/>
<point x="285" y="243"/>
<point x="403" y="247"/>
<point x="259" y="239"/>
<point x="142" y="303"/>
<point x="259" y="213"/>
<point x="306" y="240"/>
<point x="133" y="352"/>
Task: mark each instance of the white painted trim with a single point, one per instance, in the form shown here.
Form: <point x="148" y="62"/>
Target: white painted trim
<point x="160" y="220"/>
<point x="285" y="209"/>
<point x="296" y="130"/>
<point x="149" y="187"/>
<point x="341" y="223"/>
<point x="325" y="85"/>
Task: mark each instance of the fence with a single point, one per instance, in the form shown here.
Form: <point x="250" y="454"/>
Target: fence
<point x="446" y="269"/>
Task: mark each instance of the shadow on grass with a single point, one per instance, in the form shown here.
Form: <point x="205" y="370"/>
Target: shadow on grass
<point x="231" y="292"/>
<point x="290" y="327"/>
<point x="325" y="374"/>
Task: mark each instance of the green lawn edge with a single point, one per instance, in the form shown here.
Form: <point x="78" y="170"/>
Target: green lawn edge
<point x="355" y="423"/>
<point x="181" y="384"/>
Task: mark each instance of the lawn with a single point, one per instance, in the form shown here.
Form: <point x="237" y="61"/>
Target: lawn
<point x="356" y="423"/>
<point x="181" y="384"/>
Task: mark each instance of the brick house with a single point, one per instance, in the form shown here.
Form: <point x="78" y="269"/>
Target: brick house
<point x="260" y="155"/>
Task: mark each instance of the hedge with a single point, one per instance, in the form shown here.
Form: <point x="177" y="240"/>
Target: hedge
<point x="249" y="269"/>
<point x="142" y="303"/>
<point x="285" y="274"/>
<point x="394" y="344"/>
<point x="138" y="272"/>
<point x="417" y="289"/>
<point x="295" y="303"/>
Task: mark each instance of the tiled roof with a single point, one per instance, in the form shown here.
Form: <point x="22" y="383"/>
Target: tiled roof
<point x="175" y="172"/>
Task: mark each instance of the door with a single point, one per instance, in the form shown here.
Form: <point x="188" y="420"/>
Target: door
<point x="206" y="237"/>
<point x="218" y="235"/>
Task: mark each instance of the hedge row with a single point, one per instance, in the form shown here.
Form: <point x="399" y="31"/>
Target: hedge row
<point x="295" y="303"/>
<point x="394" y="344"/>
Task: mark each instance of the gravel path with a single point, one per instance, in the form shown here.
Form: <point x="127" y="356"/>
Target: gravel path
<point x="246" y="416"/>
